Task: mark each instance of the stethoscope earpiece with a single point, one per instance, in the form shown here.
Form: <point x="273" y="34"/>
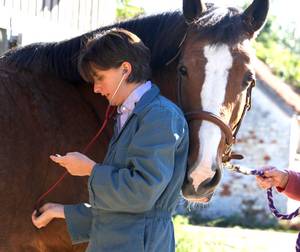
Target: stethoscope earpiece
<point x="117" y="89"/>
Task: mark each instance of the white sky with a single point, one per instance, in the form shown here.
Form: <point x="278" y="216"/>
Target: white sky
<point x="157" y="6"/>
<point x="287" y="11"/>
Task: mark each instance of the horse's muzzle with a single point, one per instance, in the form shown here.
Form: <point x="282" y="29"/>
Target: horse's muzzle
<point x="204" y="191"/>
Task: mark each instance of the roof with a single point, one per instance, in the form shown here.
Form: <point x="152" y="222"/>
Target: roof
<point x="283" y="91"/>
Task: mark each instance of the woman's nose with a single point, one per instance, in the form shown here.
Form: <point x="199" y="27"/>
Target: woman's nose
<point x="97" y="89"/>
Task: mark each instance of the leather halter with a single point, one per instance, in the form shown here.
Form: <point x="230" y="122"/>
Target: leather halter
<point x="230" y="134"/>
<point x="201" y="115"/>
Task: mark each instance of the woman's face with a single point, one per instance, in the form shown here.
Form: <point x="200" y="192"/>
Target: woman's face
<point x="106" y="83"/>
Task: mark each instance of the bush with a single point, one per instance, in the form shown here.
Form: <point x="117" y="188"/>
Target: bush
<point x="276" y="47"/>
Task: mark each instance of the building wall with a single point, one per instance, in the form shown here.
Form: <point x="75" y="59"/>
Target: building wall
<point x="3" y="40"/>
<point x="53" y="20"/>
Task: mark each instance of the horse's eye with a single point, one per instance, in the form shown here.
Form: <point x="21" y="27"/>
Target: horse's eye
<point x="183" y="70"/>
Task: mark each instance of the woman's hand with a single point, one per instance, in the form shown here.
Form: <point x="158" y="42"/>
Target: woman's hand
<point x="76" y="163"/>
<point x="48" y="212"/>
<point x="272" y="177"/>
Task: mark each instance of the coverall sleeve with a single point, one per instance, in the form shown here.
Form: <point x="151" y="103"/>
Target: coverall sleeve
<point x="149" y="165"/>
<point x="79" y="220"/>
<point x="292" y="189"/>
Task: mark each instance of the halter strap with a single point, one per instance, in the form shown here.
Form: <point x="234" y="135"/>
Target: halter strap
<point x="230" y="134"/>
<point x="179" y="50"/>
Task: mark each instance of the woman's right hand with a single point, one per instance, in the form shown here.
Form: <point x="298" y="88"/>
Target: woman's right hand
<point x="48" y="212"/>
<point x="272" y="177"/>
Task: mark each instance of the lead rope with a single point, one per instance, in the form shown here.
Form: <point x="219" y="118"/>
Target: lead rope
<point x="108" y="114"/>
<point x="272" y="207"/>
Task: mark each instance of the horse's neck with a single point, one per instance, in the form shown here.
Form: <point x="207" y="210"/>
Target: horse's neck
<point x="164" y="44"/>
<point x="162" y="34"/>
<point x="166" y="79"/>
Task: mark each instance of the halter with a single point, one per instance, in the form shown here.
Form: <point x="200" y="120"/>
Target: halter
<point x="230" y="134"/>
<point x="202" y="115"/>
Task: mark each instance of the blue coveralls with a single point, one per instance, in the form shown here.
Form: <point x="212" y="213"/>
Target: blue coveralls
<point x="135" y="190"/>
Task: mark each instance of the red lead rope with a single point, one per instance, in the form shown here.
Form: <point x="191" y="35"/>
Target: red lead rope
<point x="108" y="114"/>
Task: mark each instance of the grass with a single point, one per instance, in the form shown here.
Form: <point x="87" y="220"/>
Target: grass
<point x="194" y="238"/>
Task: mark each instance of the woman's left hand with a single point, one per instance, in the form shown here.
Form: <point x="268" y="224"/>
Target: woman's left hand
<point x="272" y="177"/>
<point x="48" y="212"/>
<point x="76" y="163"/>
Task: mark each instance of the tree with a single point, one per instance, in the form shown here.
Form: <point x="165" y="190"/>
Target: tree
<point x="125" y="10"/>
<point x="279" y="48"/>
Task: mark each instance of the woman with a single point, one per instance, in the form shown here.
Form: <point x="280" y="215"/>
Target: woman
<point x="133" y="192"/>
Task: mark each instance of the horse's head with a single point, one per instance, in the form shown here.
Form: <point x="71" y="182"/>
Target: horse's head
<point x="215" y="77"/>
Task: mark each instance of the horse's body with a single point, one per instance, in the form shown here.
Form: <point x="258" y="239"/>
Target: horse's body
<point x="46" y="109"/>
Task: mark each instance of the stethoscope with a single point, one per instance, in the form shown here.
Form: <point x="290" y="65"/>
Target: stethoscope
<point x="108" y="114"/>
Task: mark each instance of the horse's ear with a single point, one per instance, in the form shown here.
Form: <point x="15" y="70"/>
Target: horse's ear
<point x="192" y="9"/>
<point x="255" y="15"/>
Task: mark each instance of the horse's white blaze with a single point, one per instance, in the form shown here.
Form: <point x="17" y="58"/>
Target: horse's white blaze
<point x="219" y="62"/>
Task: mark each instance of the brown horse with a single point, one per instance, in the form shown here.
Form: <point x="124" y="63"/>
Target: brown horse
<point x="201" y="60"/>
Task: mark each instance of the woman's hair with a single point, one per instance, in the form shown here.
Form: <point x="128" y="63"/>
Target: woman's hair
<point x="110" y="49"/>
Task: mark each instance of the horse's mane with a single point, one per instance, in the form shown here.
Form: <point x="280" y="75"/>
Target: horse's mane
<point x="221" y="25"/>
<point x="162" y="33"/>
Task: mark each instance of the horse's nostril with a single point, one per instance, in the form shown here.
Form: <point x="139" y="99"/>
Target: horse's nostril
<point x="205" y="189"/>
<point x="212" y="181"/>
<point x="217" y="176"/>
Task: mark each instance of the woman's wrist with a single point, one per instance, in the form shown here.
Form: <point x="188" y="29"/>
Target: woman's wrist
<point x="284" y="179"/>
<point x="91" y="166"/>
<point x="58" y="212"/>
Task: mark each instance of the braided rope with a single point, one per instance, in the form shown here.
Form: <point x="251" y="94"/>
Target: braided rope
<point x="272" y="207"/>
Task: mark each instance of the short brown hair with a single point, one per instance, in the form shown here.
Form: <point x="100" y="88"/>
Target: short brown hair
<point x="109" y="49"/>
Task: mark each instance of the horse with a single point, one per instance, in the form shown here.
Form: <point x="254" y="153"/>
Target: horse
<point x="201" y="60"/>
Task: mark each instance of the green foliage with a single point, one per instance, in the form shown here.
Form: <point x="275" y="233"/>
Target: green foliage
<point x="280" y="49"/>
<point x="125" y="10"/>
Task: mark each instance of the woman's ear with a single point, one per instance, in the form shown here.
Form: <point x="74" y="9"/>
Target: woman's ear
<point x="126" y="68"/>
